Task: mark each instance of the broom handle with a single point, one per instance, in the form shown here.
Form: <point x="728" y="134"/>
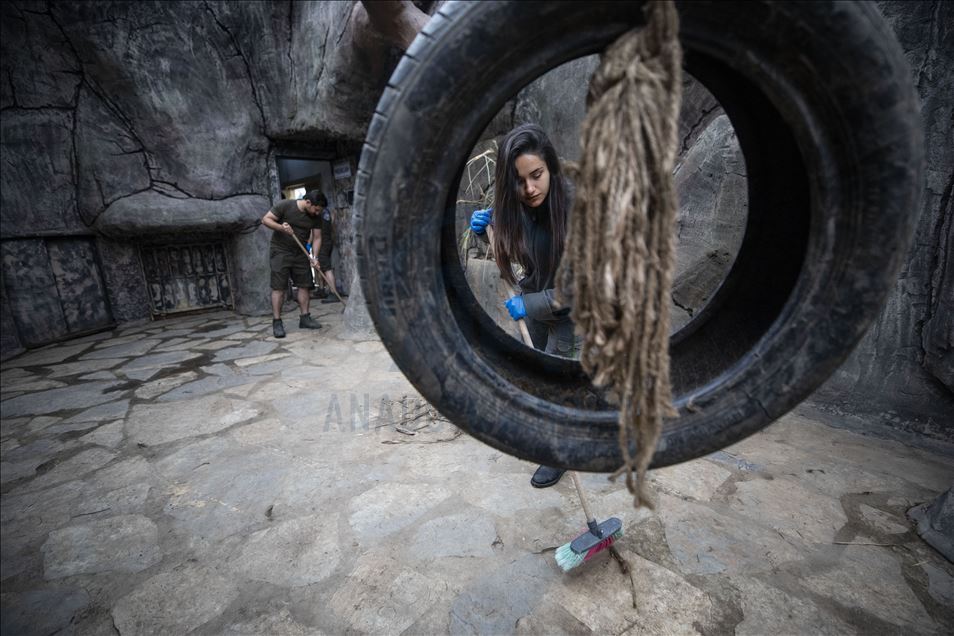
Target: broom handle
<point x="524" y="331"/>
<point x="333" y="290"/>
<point x="579" y="491"/>
<point x="590" y="519"/>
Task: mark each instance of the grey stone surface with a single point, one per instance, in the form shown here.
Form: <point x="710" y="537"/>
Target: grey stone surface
<point x="128" y="500"/>
<point x="770" y="610"/>
<point x="206" y="386"/>
<point x="153" y="213"/>
<point x="114" y="162"/>
<point x="174" y="602"/>
<point x="901" y="370"/>
<point x="253" y="349"/>
<point x="83" y="366"/>
<point x="142" y="374"/>
<point x="136" y="347"/>
<point x="256" y="360"/>
<point x="13" y="471"/>
<point x="123" y="274"/>
<point x="269" y="368"/>
<point x="154" y="361"/>
<point x="281" y="623"/>
<point x="40" y="423"/>
<point x="118" y="544"/>
<point x="162" y="385"/>
<point x="866" y="580"/>
<point x="71" y="397"/>
<point x="250" y="271"/>
<point x="557" y="102"/>
<point x="495" y="603"/>
<point x="802" y="514"/>
<point x="204" y="345"/>
<point x="99" y="375"/>
<point x="54" y="81"/>
<point x="44" y="128"/>
<point x="10" y="344"/>
<point x="280" y="524"/>
<point x="657" y="601"/>
<point x="704" y="541"/>
<point x="108" y="435"/>
<point x="72" y="468"/>
<point x="469" y="534"/>
<point x="161" y="423"/>
<point x="382" y="596"/>
<point x="109" y="411"/>
<point x="44" y="611"/>
<point x="219" y="329"/>
<point x="386" y="509"/>
<point x="293" y="553"/>
<point x="884" y="522"/>
<point x="31" y="385"/>
<point x="713" y="204"/>
<point x="940" y="584"/>
<point x="51" y="354"/>
<point x="698" y="479"/>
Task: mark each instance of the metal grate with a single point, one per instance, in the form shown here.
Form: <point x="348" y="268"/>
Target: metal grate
<point x="186" y="277"/>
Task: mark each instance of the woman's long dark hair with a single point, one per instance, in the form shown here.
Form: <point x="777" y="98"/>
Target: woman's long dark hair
<point x="509" y="241"/>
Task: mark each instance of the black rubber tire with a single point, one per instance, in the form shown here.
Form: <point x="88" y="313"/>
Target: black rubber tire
<point x="826" y="114"/>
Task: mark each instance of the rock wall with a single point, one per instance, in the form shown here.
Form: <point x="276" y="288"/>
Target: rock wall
<point x="124" y="120"/>
<point x="903" y="370"/>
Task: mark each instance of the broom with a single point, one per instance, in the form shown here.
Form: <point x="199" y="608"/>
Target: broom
<point x="598" y="536"/>
<point x="335" y="291"/>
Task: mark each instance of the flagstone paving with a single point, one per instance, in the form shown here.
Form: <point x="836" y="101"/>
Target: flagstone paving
<point x="196" y="474"/>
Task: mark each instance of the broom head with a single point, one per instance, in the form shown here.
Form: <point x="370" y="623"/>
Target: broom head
<point x="583" y="548"/>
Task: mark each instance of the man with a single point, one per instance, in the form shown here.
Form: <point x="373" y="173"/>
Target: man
<point x="289" y="219"/>
<point x="323" y="250"/>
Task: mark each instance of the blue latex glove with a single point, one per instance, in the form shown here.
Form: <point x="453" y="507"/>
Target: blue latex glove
<point x="480" y="219"/>
<point x="516" y="308"/>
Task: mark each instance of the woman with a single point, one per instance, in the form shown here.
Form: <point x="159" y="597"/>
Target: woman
<point x="529" y="217"/>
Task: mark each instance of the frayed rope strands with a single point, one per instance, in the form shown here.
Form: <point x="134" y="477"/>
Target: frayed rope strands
<point x="620" y="253"/>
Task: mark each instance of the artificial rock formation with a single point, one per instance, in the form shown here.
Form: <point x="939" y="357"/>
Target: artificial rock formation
<point x="124" y="121"/>
<point x="111" y="109"/>
<point x="903" y="370"/>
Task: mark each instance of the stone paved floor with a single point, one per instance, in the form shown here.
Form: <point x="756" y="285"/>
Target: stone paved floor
<point x="197" y="474"/>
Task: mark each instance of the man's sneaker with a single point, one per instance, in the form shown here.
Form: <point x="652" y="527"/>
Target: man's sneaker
<point x="307" y="322"/>
<point x="278" y="328"/>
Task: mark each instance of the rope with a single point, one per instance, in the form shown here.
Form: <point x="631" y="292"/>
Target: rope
<point x="618" y="263"/>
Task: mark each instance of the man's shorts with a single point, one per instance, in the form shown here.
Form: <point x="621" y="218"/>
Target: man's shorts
<point x="285" y="264"/>
<point x="324" y="256"/>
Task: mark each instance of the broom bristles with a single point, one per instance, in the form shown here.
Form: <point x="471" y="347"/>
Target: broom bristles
<point x="567" y="559"/>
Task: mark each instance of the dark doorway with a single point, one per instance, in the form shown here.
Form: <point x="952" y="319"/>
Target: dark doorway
<point x="297" y="176"/>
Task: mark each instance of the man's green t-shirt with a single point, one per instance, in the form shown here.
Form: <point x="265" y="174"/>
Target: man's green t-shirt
<point x="302" y="223"/>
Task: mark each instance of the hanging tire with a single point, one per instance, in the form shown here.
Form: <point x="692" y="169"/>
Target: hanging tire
<point x="822" y="102"/>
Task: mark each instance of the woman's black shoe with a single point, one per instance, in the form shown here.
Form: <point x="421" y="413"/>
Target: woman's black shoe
<point x="546" y="477"/>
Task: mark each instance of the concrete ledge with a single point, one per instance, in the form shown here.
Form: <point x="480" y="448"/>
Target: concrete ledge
<point x="152" y="213"/>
